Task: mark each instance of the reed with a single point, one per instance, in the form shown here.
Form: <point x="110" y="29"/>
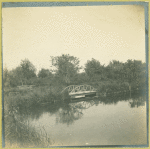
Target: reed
<point x="18" y="130"/>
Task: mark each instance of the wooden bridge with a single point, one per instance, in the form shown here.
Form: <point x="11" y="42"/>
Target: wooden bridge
<point x="78" y="91"/>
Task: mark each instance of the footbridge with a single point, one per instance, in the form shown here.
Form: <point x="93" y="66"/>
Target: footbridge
<point x="74" y="90"/>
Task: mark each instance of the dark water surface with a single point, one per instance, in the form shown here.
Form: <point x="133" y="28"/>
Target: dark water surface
<point x="107" y="121"/>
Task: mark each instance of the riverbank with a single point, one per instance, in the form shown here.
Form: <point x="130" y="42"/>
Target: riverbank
<point x="19" y="132"/>
<point x="51" y="93"/>
<point x="17" y="110"/>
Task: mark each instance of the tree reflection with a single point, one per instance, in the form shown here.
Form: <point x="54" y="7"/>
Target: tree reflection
<point x="68" y="116"/>
<point x="73" y="111"/>
<point x="67" y="112"/>
<point x="136" y="97"/>
<point x="136" y="102"/>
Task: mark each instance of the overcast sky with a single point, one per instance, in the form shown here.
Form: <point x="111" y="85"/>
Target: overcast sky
<point x="102" y="32"/>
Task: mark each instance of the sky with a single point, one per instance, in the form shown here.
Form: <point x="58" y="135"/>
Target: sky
<point x="105" y="33"/>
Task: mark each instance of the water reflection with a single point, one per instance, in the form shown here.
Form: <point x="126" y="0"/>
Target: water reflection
<point x="65" y="112"/>
<point x="68" y="116"/>
<point x="136" y="102"/>
<point x="69" y="111"/>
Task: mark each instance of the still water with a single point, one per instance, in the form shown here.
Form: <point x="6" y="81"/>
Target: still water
<point x="108" y="121"/>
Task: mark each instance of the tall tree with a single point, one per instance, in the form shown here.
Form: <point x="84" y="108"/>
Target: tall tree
<point x="44" y="73"/>
<point x="18" y="73"/>
<point x="6" y="79"/>
<point x="66" y="66"/>
<point x="115" y="69"/>
<point x="11" y="78"/>
<point x="134" y="72"/>
<point x="28" y="69"/>
<point x="21" y="74"/>
<point x="93" y="67"/>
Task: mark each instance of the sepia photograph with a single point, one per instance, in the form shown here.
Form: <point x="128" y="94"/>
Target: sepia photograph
<point x="75" y="74"/>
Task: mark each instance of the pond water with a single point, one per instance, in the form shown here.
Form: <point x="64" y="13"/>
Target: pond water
<point x="108" y="121"/>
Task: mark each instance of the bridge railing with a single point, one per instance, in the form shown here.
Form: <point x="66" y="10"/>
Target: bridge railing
<point x="82" y="88"/>
<point x="78" y="88"/>
<point x="69" y="88"/>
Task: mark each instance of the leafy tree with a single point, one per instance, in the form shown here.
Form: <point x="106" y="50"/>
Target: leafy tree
<point x="93" y="68"/>
<point x="12" y="78"/>
<point x="44" y="73"/>
<point x="6" y="79"/>
<point x="18" y="73"/>
<point x="115" y="70"/>
<point x="15" y="77"/>
<point x="134" y="72"/>
<point x="66" y="66"/>
<point x="27" y="68"/>
<point x="21" y="74"/>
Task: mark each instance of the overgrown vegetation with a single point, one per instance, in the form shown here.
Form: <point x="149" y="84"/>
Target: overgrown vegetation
<point x="114" y="80"/>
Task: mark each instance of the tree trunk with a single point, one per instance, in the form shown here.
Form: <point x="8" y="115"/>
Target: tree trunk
<point x="130" y="90"/>
<point x="67" y="79"/>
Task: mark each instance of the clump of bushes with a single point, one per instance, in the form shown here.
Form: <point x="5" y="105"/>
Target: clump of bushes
<point x="111" y="86"/>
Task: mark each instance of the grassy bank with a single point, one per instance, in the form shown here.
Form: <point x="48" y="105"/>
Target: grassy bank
<point x="20" y="133"/>
<point x="52" y="93"/>
<point x="17" y="107"/>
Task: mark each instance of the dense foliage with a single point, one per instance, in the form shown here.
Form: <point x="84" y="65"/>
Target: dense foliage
<point x="43" y="73"/>
<point x="66" y="72"/>
<point x="66" y="66"/>
<point x="93" y="68"/>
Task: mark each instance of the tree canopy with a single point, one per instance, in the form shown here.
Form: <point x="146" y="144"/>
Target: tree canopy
<point x="28" y="69"/>
<point x="66" y="66"/>
<point x="43" y="73"/>
<point x="132" y="72"/>
<point x="93" y="67"/>
<point x="20" y="75"/>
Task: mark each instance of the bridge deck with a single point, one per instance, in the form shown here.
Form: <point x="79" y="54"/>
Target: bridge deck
<point x="82" y="93"/>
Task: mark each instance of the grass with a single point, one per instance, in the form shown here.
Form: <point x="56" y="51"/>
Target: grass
<point x="20" y="133"/>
